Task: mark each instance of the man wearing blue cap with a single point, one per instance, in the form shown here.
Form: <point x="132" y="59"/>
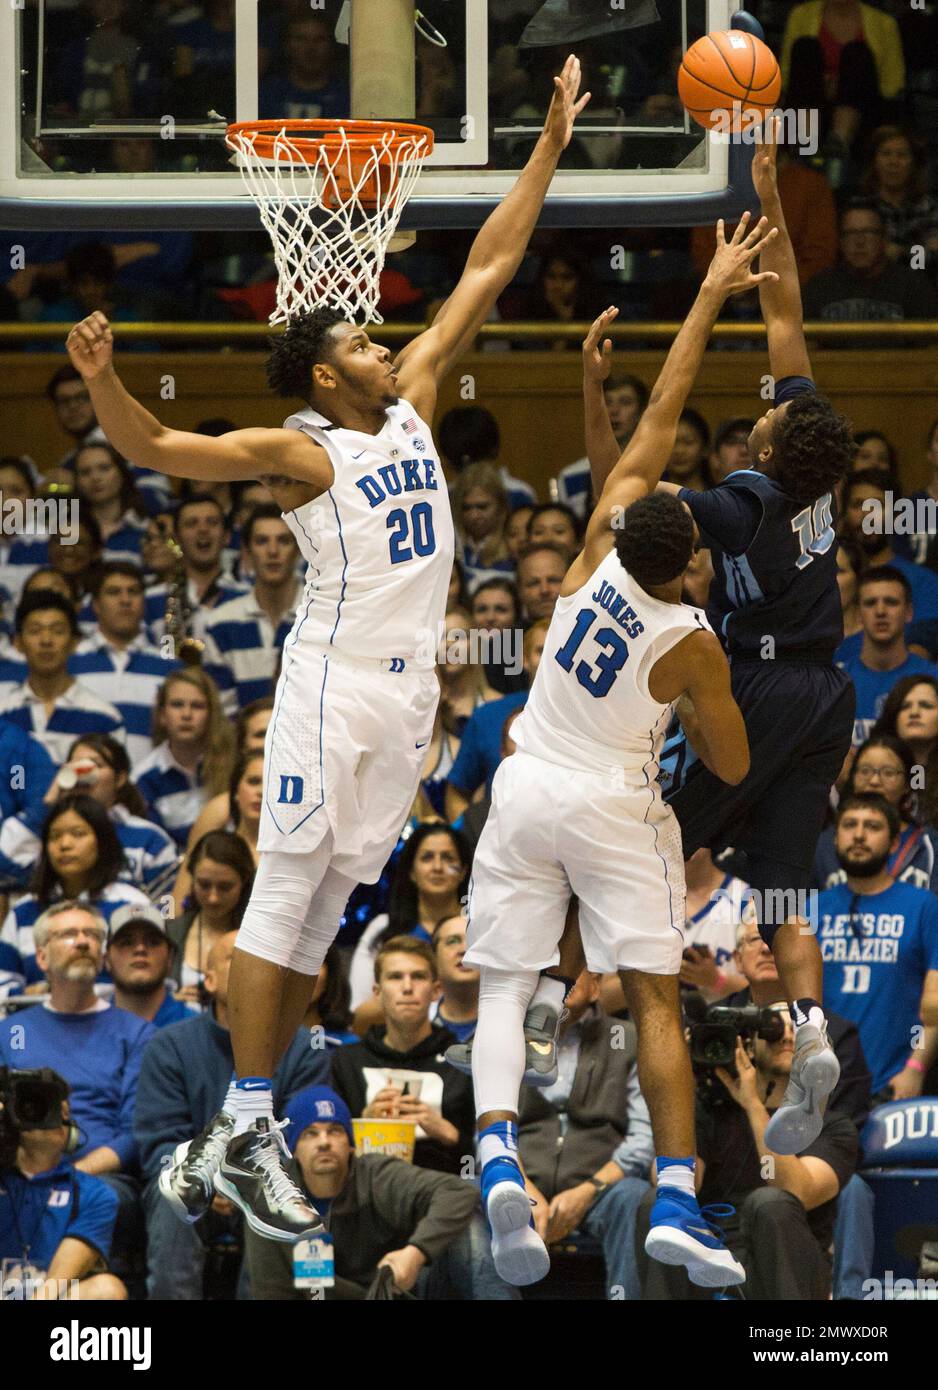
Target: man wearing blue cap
<point x="380" y="1211"/>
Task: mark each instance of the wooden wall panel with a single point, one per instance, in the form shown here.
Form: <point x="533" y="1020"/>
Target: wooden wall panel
<point x="534" y="396"/>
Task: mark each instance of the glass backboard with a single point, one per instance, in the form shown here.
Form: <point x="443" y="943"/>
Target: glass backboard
<point x="114" y="113"/>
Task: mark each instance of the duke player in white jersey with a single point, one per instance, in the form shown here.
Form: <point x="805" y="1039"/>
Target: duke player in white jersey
<point x="578" y="811"/>
<point x="359" y="481"/>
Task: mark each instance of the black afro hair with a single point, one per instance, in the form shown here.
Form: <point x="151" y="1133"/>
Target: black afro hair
<point x="813" y="446"/>
<point x="655" y="539"/>
<point x="303" y="343"/>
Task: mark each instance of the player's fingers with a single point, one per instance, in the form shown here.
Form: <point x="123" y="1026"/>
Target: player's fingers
<point x="751" y="251"/>
<point x="721" y="239"/>
<point x="742" y="230"/>
<point x="762" y="277"/>
<point x="581" y="103"/>
<point x="607" y="347"/>
<point x="86" y="338"/>
<point x="755" y="231"/>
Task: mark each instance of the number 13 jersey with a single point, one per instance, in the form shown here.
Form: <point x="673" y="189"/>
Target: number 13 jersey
<point x="590" y="706"/>
<point x="378" y="544"/>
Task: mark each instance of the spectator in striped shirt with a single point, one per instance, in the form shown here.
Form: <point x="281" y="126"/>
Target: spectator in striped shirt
<point x="22" y="809"/>
<point x="19" y="553"/>
<point x="51" y="703"/>
<point x="105" y="488"/>
<point x="77" y="562"/>
<point x="237" y="808"/>
<point x="102" y="769"/>
<point x="201" y="531"/>
<point x="222" y="871"/>
<point x="192" y="754"/>
<point x="116" y="659"/>
<point x="80" y="858"/>
<point x="13" y="667"/>
<point x="156" y="552"/>
<point x="246" y="497"/>
<point x="158" y="561"/>
<point x="244" y="637"/>
<point x="238" y="811"/>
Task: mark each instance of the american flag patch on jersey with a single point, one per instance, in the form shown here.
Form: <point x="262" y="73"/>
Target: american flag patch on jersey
<point x="409" y="426"/>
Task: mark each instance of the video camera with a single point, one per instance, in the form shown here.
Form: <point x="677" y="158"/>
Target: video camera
<point x="714" y="1030"/>
<point x="28" y="1100"/>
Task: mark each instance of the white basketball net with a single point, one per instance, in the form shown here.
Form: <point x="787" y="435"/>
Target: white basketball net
<point x="330" y="214"/>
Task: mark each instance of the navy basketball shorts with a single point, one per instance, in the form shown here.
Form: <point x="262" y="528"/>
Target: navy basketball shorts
<point x="799" y="719"/>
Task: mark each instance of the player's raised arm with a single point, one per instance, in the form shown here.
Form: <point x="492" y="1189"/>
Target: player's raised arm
<point x="696" y="672"/>
<point x="497" y="250"/>
<point x="138" y="435"/>
<point x="639" y="469"/>
<point x="602" y="447"/>
<point x="780" y="299"/>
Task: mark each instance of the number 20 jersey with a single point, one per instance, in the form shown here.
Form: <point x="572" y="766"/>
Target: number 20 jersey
<point x="378" y="544"/>
<point x="590" y="706"/>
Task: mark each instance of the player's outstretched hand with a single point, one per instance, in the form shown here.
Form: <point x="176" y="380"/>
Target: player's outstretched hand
<point x="597" y="351"/>
<point x="565" y="107"/>
<point x="90" y="346"/>
<point x="731" y="268"/>
<point x="764" y="172"/>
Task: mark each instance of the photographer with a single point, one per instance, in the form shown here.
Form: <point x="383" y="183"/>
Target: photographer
<point x="781" y="1229"/>
<point x="56" y="1222"/>
<point x="754" y="960"/>
<point x="379" y="1211"/>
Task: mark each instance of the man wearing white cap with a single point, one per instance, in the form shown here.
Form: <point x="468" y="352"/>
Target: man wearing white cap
<point x="139" y="957"/>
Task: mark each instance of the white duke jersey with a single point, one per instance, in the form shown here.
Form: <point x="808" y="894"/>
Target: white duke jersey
<point x="589" y="706"/>
<point x="378" y="544"/>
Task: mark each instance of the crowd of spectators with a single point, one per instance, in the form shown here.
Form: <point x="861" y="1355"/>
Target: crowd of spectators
<point x="129" y="845"/>
<point x="859" y="190"/>
<point x="139" y="655"/>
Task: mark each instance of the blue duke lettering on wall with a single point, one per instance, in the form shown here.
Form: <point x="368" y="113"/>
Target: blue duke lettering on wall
<point x="291" y="791"/>
<point x="409" y="475"/>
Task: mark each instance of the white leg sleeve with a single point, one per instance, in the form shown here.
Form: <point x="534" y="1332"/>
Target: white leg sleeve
<point x="322" y="922"/>
<point x="281" y="902"/>
<point x="498" y="1042"/>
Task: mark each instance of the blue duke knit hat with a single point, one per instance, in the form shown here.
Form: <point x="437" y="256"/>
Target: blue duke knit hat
<point x="316" y="1105"/>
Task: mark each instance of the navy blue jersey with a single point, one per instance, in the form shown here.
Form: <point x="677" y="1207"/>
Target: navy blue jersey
<point x="774" y="562"/>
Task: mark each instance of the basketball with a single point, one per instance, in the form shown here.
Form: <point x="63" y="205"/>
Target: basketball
<point x="725" y="70"/>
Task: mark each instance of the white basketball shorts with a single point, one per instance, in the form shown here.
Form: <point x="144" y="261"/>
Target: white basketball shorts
<point x="555" y="831"/>
<point x="344" y="751"/>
